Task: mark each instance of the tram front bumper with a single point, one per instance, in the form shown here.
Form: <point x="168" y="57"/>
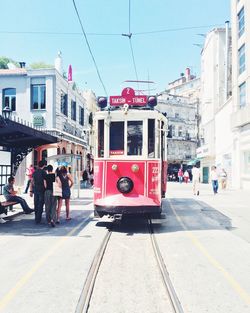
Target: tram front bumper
<point x="126" y="200"/>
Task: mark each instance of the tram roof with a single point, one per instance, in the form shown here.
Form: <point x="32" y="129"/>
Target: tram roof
<point x="130" y="113"/>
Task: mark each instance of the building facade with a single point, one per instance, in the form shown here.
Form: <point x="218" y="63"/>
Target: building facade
<point x="45" y="99"/>
<point x="216" y="103"/>
<point x="240" y="117"/>
<point x="180" y="105"/>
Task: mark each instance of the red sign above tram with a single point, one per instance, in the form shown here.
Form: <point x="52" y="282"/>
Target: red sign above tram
<point x="128" y="96"/>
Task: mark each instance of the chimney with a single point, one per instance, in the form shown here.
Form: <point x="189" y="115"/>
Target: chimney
<point x="22" y="64"/>
<point x="187" y="74"/>
<point x="58" y="63"/>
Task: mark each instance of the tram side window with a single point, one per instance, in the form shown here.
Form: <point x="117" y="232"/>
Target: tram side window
<point x="151" y="138"/>
<point x="100" y="138"/>
<point x="135" y="138"/>
<point x="116" y="138"/>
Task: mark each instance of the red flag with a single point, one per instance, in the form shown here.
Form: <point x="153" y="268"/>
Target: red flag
<point x="70" y="73"/>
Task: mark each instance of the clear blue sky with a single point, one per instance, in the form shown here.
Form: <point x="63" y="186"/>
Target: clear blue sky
<point x="161" y="56"/>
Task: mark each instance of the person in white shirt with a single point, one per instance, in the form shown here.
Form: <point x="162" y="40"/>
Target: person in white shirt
<point x="214" y="179"/>
<point x="196" y="180"/>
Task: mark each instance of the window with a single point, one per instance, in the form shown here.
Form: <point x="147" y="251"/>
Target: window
<point x="116" y="138"/>
<point x="9" y="98"/>
<point x="64" y="103"/>
<point x="246" y="162"/>
<point x="100" y="138"/>
<point x="134" y="135"/>
<point x="241" y="22"/>
<point x="177" y="115"/>
<point x="38" y="97"/>
<point x="73" y="110"/>
<point x="44" y="155"/>
<point x="180" y="131"/>
<point x="151" y="138"/>
<point x="241" y="59"/>
<point x="81" y="116"/>
<point x="242" y="94"/>
<point x="173" y="130"/>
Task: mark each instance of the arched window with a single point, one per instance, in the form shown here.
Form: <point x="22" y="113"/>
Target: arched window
<point x="9" y="98"/>
<point x="63" y="150"/>
<point x="58" y="151"/>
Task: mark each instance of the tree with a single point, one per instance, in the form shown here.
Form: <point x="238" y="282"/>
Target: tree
<point x="4" y="62"/>
<point x="37" y="65"/>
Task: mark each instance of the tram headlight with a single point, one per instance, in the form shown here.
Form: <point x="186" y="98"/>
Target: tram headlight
<point x="125" y="185"/>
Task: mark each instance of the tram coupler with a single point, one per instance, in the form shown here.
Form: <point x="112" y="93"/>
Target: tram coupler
<point x="117" y="217"/>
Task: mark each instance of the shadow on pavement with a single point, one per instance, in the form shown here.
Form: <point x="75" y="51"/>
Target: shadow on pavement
<point x="24" y="225"/>
<point x="182" y="214"/>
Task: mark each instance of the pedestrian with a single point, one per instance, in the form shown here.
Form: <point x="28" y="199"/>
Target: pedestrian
<point x="180" y="175"/>
<point x="64" y="180"/>
<point x="38" y="189"/>
<point x="49" y="199"/>
<point x="214" y="179"/>
<point x="223" y="179"/>
<point x="29" y="173"/>
<point x="186" y="176"/>
<point x="91" y="178"/>
<point x="11" y="195"/>
<point x="85" y="178"/>
<point x="196" y="180"/>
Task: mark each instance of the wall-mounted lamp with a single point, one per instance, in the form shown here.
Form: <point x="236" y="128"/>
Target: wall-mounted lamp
<point x="7" y="112"/>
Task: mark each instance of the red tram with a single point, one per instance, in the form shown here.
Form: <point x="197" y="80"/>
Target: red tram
<point x="130" y="165"/>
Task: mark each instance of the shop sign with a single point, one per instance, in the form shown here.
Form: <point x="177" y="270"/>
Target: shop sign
<point x="38" y="120"/>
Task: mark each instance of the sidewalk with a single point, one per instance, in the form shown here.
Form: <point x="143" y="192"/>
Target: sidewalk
<point x="83" y="203"/>
<point x="234" y="204"/>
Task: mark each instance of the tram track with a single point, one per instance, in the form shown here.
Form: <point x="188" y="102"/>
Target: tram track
<point x="85" y="297"/>
<point x="89" y="286"/>
<point x="177" y="308"/>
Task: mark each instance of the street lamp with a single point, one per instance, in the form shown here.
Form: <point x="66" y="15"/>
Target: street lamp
<point x="7" y="112"/>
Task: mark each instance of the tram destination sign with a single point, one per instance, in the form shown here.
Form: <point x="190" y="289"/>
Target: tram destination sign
<point x="128" y="96"/>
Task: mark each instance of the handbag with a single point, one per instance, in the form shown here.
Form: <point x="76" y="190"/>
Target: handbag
<point x="57" y="190"/>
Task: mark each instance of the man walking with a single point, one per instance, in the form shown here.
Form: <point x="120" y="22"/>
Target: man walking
<point x="38" y="188"/>
<point x="10" y="195"/>
<point x="196" y="180"/>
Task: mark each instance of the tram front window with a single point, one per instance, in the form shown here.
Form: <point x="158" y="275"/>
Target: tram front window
<point x="134" y="138"/>
<point x="116" y="138"/>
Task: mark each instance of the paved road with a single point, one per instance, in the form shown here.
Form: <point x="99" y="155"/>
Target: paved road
<point x="204" y="241"/>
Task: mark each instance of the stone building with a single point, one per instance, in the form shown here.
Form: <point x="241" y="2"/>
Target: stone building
<point x="240" y="117"/>
<point x="46" y="99"/>
<point x="180" y="103"/>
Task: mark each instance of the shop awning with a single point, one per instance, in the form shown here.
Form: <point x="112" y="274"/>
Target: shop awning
<point x="14" y="135"/>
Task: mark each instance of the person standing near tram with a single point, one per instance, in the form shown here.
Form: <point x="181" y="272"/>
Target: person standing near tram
<point x="38" y="189"/>
<point x="214" y="179"/>
<point x="196" y="180"/>
<point x="180" y="175"/>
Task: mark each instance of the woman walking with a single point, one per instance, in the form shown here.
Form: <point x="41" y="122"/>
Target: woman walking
<point x="50" y="200"/>
<point x="64" y="180"/>
<point x="214" y="179"/>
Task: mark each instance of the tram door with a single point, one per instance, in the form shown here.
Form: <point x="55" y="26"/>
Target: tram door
<point x="163" y="159"/>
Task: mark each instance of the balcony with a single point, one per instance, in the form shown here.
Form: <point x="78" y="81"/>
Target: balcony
<point x="241" y="117"/>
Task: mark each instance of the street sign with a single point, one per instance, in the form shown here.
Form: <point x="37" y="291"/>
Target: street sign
<point x="128" y="96"/>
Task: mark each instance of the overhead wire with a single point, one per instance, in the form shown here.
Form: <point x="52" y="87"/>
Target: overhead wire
<point x="90" y="51"/>
<point x="111" y="34"/>
<point x="129" y="35"/>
